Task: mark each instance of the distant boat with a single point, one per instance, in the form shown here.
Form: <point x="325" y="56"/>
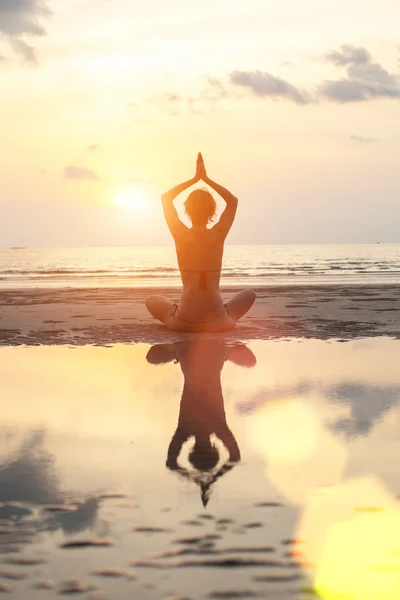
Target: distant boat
<point x="17" y="247"/>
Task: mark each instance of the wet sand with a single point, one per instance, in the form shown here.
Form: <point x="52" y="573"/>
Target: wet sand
<point x="111" y="315"/>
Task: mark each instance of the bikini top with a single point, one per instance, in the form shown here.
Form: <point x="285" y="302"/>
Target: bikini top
<point x="203" y="277"/>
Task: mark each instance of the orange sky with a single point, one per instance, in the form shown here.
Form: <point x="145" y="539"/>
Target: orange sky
<point x="293" y="104"/>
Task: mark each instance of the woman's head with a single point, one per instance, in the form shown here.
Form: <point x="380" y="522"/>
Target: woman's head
<point x="205" y="455"/>
<point x="200" y="207"/>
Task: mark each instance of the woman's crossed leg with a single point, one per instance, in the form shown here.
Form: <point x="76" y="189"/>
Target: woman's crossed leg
<point x="240" y="304"/>
<point x="162" y="308"/>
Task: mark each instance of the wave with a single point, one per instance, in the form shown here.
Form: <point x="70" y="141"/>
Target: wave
<point x="243" y="265"/>
<point x="258" y="270"/>
<point x="173" y="274"/>
<point x="116" y="272"/>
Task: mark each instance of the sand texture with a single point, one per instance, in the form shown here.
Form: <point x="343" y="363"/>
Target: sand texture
<point x="109" y="315"/>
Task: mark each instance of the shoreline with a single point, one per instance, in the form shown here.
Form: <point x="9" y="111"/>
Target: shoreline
<point x="103" y="316"/>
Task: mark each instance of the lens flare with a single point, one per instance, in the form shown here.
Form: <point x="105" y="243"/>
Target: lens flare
<point x="131" y="199"/>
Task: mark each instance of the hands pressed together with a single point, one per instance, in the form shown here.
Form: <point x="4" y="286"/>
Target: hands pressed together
<point x="201" y="172"/>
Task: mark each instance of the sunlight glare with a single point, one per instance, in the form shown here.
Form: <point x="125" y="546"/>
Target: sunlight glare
<point x="132" y="199"/>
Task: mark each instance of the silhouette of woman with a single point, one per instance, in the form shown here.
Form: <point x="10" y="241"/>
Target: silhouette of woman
<point x="202" y="412"/>
<point x="199" y="252"/>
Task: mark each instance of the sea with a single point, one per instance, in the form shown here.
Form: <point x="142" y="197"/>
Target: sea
<point x="156" y="266"/>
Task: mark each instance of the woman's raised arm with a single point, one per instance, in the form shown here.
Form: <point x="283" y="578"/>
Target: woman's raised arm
<point x="171" y="216"/>
<point x="228" y="216"/>
<point x="174" y="223"/>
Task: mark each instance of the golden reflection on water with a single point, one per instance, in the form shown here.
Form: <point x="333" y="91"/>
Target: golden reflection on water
<point x="313" y="424"/>
<point x="292" y="438"/>
<point x="348" y="533"/>
<point x="89" y="390"/>
<point x="350" y="539"/>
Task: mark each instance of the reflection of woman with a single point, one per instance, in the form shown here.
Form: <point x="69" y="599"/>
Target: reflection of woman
<point x="199" y="251"/>
<point x="202" y="412"/>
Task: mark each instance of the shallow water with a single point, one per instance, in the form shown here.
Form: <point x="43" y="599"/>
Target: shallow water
<point x="255" y="266"/>
<point x="102" y="490"/>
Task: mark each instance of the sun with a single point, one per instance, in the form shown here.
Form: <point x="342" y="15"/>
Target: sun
<point x="132" y="199"/>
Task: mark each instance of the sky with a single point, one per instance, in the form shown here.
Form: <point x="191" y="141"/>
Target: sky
<point x="104" y="105"/>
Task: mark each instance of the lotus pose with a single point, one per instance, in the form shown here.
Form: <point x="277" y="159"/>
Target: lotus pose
<point x="199" y="251"/>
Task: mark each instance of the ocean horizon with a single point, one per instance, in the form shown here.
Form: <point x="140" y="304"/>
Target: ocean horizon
<point x="244" y="265"/>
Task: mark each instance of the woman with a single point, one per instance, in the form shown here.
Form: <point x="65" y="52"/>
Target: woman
<point x="199" y="251"/>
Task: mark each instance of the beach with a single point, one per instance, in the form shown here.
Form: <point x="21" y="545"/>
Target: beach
<point x="103" y="406"/>
<point x="80" y="316"/>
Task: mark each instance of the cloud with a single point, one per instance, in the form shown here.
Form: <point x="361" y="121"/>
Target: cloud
<point x="203" y="103"/>
<point x="73" y="172"/>
<point x="27" y="52"/>
<point x="265" y="85"/>
<point x="379" y="399"/>
<point x="362" y="139"/>
<point x="29" y="474"/>
<point x="19" y="17"/>
<point x="22" y="17"/>
<point x="209" y="97"/>
<point x="366" y="80"/>
<point x="349" y="55"/>
<point x="93" y="147"/>
<point x="176" y="104"/>
<point x="173" y="104"/>
<point x="350" y="90"/>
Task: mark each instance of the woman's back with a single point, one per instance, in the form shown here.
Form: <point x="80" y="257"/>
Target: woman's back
<point x="199" y="253"/>
<point x="199" y="250"/>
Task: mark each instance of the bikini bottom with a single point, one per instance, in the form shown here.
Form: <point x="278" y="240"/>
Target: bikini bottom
<point x="177" y="315"/>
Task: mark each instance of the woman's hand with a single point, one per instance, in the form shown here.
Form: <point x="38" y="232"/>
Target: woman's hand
<point x="200" y="169"/>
